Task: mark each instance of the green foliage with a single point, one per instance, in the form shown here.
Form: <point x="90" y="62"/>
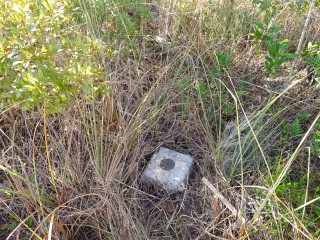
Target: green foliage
<point x="277" y="56"/>
<point x="296" y="129"/>
<point x="313" y="52"/>
<point x="266" y="34"/>
<point x="29" y="221"/>
<point x="44" y="56"/>
<point x="242" y="88"/>
<point x="12" y="226"/>
<point x="223" y="63"/>
<point x="211" y="82"/>
<point x="315" y="139"/>
<point x="292" y="191"/>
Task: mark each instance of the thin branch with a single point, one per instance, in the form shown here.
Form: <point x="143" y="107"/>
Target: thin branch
<point x="225" y="201"/>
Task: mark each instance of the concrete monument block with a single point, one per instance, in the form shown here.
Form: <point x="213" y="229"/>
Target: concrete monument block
<point x="168" y="168"/>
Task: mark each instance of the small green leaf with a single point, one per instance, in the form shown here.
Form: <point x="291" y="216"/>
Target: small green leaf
<point x="265" y="6"/>
<point x="290" y="55"/>
<point x="258" y="35"/>
<point x="240" y="93"/>
<point x="272" y="56"/>
<point x="269" y="59"/>
<point x="267" y="17"/>
<point x="276" y="46"/>
<point x="312" y="62"/>
<point x="304" y="53"/>
<point x="258" y="24"/>
<point x="283" y="61"/>
<point x="273" y="50"/>
<point x="275" y="29"/>
<point x="283" y="45"/>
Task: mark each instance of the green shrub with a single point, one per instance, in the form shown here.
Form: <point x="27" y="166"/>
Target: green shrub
<point x="44" y="55"/>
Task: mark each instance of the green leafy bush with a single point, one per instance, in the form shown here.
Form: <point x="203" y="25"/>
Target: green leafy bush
<point x="267" y="35"/>
<point x="313" y="53"/>
<point x="44" y="55"/>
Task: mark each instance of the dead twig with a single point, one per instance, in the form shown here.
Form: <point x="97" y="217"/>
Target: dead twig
<point x="225" y="201"/>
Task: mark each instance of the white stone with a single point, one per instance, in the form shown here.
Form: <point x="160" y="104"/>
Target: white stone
<point x="168" y="168"/>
